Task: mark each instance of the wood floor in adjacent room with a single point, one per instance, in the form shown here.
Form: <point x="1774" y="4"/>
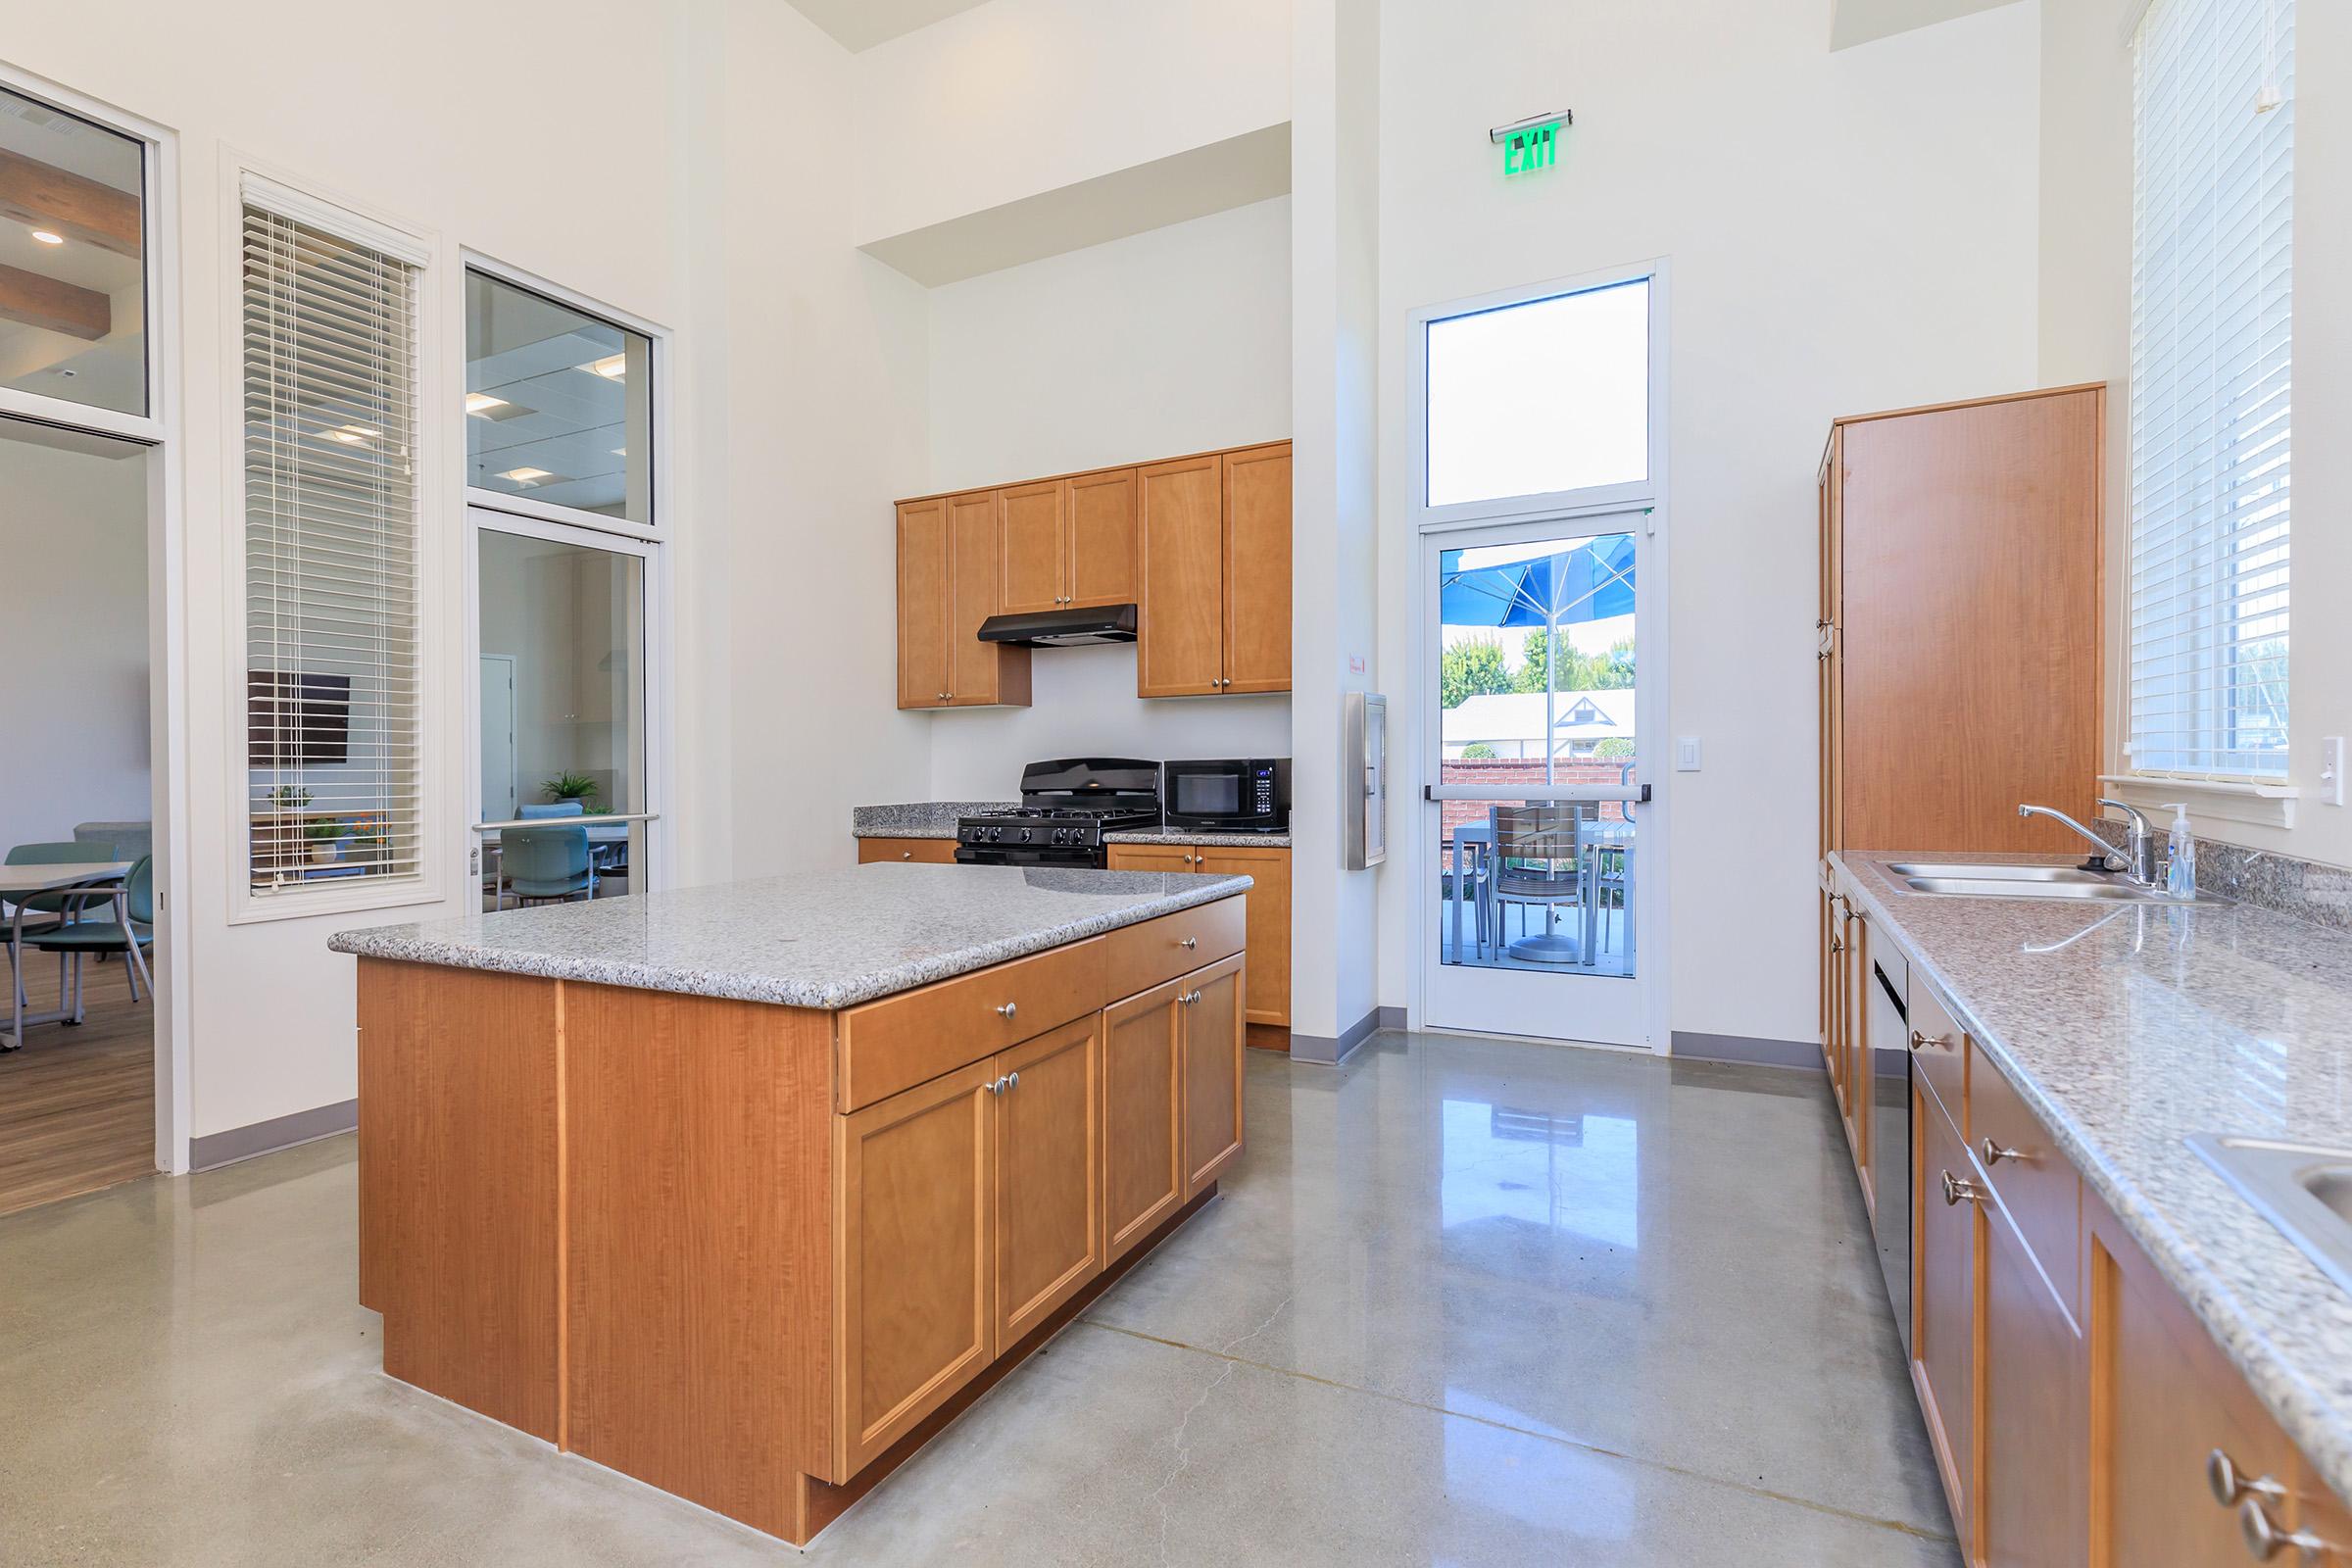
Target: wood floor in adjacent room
<point x="77" y="1104"/>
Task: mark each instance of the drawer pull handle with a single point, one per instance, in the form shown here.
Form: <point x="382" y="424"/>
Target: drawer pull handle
<point x="1920" y="1041"/>
<point x="2229" y="1483"/>
<point x="1955" y="1189"/>
<point x="2265" y="1539"/>
<point x="1189" y="942"/>
<point x="1009" y="1010"/>
<point x="1995" y="1154"/>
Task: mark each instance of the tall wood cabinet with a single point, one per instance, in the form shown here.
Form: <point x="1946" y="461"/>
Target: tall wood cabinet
<point x="1213" y="614"/>
<point x="1958" y="621"/>
<point x="947" y="587"/>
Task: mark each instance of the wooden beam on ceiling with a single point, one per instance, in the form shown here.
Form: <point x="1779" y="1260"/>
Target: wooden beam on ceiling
<point x="44" y="301"/>
<point x="79" y="209"/>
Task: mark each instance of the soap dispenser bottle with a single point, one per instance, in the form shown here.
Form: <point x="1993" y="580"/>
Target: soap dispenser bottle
<point x="2181" y="857"/>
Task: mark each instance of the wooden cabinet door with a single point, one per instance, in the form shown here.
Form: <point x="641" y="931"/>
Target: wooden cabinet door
<point x="1180" y="609"/>
<point x="923" y="604"/>
<point x="1257" y="569"/>
<point x="1029" y="548"/>
<point x="1101" y="552"/>
<point x="2321" y="1514"/>
<point x="2032" y="1504"/>
<point x="914" y="1256"/>
<point x="1213" y="1034"/>
<point x="2163" y="1398"/>
<point x="971" y="598"/>
<point x="1857" y="1069"/>
<point x="1943" y="1307"/>
<point x="1050" y="1169"/>
<point x="919" y="851"/>
<point x="1143" y="1116"/>
<point x="1149" y="857"/>
<point x="1268" y="999"/>
<point x="1832" y="997"/>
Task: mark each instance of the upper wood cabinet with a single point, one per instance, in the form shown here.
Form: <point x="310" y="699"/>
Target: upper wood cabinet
<point x="1213" y="615"/>
<point x="947" y="570"/>
<point x="1099" y="553"/>
<point x="1960" y="579"/>
<point x="1067" y="542"/>
<point x="1031" y="543"/>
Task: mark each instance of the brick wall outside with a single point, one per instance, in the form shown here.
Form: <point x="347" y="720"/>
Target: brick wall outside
<point x="1519" y="770"/>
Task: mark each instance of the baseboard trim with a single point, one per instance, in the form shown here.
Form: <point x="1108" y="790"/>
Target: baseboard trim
<point x="1803" y="1055"/>
<point x="215" y="1149"/>
<point x="1324" y="1050"/>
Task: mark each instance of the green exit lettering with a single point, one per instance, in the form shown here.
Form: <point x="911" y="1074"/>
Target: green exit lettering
<point x="1531" y="149"/>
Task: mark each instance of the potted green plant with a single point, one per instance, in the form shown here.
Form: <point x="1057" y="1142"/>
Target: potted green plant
<point x="575" y="787"/>
<point x="327" y="837"/>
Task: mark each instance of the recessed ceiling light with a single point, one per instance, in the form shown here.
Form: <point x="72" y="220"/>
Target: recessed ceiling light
<point x="526" y="477"/>
<point x="612" y="367"/>
<point x="482" y="402"/>
<point x="48" y="236"/>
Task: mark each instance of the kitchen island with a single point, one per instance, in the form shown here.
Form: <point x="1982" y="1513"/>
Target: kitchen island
<point x="746" y="1190"/>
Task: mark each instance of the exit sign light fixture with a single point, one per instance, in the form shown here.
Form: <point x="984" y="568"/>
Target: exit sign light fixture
<point x="1531" y="143"/>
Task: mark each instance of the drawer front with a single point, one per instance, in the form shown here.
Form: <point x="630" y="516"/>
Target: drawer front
<point x="921" y="852"/>
<point x="904" y="1040"/>
<point x="1159" y="950"/>
<point x="2036" y="1184"/>
<point x="1939" y="1055"/>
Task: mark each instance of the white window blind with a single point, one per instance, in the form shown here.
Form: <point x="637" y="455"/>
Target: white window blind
<point x="330" y="557"/>
<point x="2211" y="292"/>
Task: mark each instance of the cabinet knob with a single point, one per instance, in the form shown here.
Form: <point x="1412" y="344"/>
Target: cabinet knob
<point x="1995" y="1154"/>
<point x="1957" y="1191"/>
<point x="1012" y="1080"/>
<point x="905" y="855"/>
<point x="1188" y="944"/>
<point x="1920" y="1041"/>
<point x="1009" y="1010"/>
<point x="2265" y="1539"/>
<point x="996" y="1086"/>
<point x="2229" y="1483"/>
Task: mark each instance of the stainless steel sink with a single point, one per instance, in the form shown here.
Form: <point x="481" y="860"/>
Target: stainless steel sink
<point x="2114" y="890"/>
<point x="2303" y="1189"/>
<point x="1989" y="871"/>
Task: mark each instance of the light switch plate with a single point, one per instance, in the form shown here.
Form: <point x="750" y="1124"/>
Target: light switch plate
<point x="1685" y="754"/>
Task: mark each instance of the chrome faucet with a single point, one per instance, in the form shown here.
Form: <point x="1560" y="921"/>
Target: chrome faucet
<point x="2138" y="862"/>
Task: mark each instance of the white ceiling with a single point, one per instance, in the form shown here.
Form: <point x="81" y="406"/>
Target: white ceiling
<point x="857" y="24"/>
<point x="1863" y="20"/>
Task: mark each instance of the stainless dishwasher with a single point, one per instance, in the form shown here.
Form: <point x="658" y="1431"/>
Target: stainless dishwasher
<point x="1889" y="1060"/>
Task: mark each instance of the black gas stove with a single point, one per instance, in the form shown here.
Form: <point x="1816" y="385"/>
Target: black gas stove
<point x="1066" y="807"/>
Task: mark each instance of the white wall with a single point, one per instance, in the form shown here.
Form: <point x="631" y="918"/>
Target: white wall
<point x="73" y="696"/>
<point x="2085" y="271"/>
<point x="1167" y="342"/>
<point x="1021" y="96"/>
<point x="1846" y="231"/>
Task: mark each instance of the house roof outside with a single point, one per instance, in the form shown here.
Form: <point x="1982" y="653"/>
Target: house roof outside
<point x="1518" y="716"/>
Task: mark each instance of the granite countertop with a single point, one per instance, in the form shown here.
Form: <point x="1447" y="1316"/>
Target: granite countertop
<point x="1191" y="835"/>
<point x="814" y="939"/>
<point x="917" y="819"/>
<point x="2128" y="1026"/>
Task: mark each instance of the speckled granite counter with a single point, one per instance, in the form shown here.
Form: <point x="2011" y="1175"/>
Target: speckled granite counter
<point x="917" y="819"/>
<point x="2127" y="1027"/>
<point x="1186" y="835"/>
<point x="817" y="939"/>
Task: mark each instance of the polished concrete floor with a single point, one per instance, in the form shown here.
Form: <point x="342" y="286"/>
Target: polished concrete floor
<point x="1465" y="1302"/>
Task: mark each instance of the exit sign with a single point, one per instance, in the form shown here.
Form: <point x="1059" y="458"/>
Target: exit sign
<point x="1531" y="143"/>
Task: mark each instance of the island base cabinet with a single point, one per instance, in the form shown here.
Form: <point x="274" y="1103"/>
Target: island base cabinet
<point x="1048" y="1160"/>
<point x="1213" y="1034"/>
<point x="914" y="1256"/>
<point x="1143" y="1178"/>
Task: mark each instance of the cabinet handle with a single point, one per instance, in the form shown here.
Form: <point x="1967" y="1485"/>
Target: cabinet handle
<point x="1995" y="1154"/>
<point x="905" y="855"/>
<point x="1009" y="1010"/>
<point x="1188" y="998"/>
<point x="996" y="1088"/>
<point x="2229" y="1483"/>
<point x="1920" y="1041"/>
<point x="1955" y="1189"/>
<point x="2265" y="1539"/>
<point x="1012" y="1080"/>
<point x="1836" y="944"/>
<point x="1189" y="942"/>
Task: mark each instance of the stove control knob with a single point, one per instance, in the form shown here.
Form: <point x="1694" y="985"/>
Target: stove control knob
<point x="1024" y="835"/>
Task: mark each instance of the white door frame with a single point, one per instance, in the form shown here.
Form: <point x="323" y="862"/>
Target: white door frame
<point x="514" y="761"/>
<point x="160" y="429"/>
<point x="1561" y="510"/>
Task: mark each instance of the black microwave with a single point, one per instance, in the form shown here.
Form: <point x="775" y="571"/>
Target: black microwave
<point x="1232" y="795"/>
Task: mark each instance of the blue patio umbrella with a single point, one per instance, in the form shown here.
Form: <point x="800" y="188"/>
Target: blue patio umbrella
<point x="1586" y="579"/>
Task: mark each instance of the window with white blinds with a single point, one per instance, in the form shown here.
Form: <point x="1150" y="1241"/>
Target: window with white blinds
<point x="332" y="742"/>
<point x="2212" y="294"/>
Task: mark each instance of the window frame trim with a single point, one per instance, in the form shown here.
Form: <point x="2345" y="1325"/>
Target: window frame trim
<point x="245" y="180"/>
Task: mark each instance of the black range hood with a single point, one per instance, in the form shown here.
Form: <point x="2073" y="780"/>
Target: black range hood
<point x="1062" y="628"/>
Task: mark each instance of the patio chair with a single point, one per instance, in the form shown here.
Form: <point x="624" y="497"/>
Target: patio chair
<point x="1532" y="843"/>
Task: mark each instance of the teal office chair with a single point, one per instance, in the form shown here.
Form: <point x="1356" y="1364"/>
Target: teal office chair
<point x="40" y="912"/>
<point x="544" y="863"/>
<point x="535" y="809"/>
<point x="98" y="928"/>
